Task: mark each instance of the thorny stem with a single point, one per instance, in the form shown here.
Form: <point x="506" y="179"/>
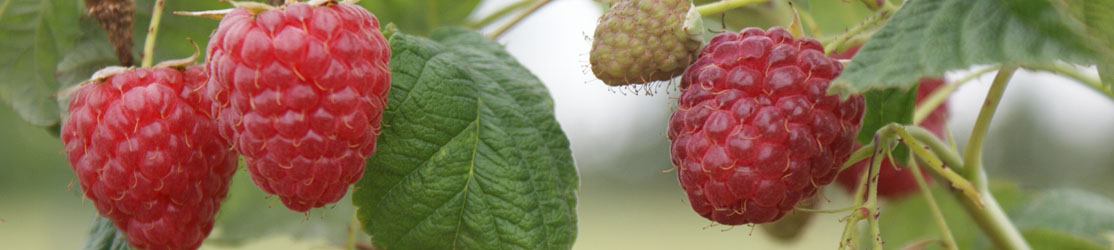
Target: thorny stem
<point x="529" y="10"/>
<point x="949" y="240"/>
<point x="973" y="152"/>
<point x="152" y="33"/>
<point x="724" y="5"/>
<point x="865" y="207"/>
<point x="500" y="13"/>
<point x="353" y="228"/>
<point x="874" y="20"/>
<point x="937" y="97"/>
<point x="1071" y="72"/>
<point x="871" y="205"/>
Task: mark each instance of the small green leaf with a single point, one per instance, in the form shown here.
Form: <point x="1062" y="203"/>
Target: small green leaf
<point x="884" y="107"/>
<point x="929" y="37"/>
<point x="1040" y="238"/>
<point x="421" y="17"/>
<point x="104" y="236"/>
<point x="35" y="34"/>
<point x="471" y="155"/>
<point x="1076" y="212"/>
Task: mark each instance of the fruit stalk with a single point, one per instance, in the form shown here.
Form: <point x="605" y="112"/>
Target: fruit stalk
<point x="724" y="5"/>
<point x="530" y="10"/>
<point x="152" y="33"/>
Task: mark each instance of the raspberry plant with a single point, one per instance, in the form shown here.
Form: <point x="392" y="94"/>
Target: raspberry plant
<point x="406" y="131"/>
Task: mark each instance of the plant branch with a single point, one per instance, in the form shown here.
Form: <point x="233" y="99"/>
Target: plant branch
<point x="973" y="153"/>
<point x="529" y="10"/>
<point x="724" y="5"/>
<point x="938" y="97"/>
<point x="152" y="33"/>
<point x="1070" y="71"/>
<point x="500" y="13"/>
<point x="981" y="206"/>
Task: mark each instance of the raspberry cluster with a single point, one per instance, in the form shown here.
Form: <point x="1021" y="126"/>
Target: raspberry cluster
<point x="755" y="130"/>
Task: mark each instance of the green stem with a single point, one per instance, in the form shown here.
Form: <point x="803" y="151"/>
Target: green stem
<point x="940" y="95"/>
<point x="152" y="33"/>
<point x="1071" y="72"/>
<point x="500" y="13"/>
<point x="872" y="21"/>
<point x="973" y="153"/>
<point x="530" y="10"/>
<point x="724" y="5"/>
<point x="949" y="240"/>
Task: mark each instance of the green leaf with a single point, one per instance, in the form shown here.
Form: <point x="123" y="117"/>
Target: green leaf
<point x="1040" y="238"/>
<point x="35" y="35"/>
<point x="421" y="17"/>
<point x="1076" y="212"/>
<point x="884" y="107"/>
<point x="929" y="37"/>
<point x="470" y="156"/>
<point x="104" y="236"/>
<point x="249" y="214"/>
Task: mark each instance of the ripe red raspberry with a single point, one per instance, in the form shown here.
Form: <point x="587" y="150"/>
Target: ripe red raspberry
<point x="149" y="156"/>
<point x="755" y="131"/>
<point x="300" y="90"/>
<point x="896" y="182"/>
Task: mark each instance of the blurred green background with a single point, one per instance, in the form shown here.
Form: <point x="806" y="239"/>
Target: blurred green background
<point x="1049" y="133"/>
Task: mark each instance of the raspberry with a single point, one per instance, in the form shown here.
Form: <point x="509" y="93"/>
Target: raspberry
<point x="149" y="156"/>
<point x="639" y="41"/>
<point x="755" y="131"/>
<point x="300" y="90"/>
<point x="897" y="182"/>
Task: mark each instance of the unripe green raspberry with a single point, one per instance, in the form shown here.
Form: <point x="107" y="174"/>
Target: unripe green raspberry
<point x="640" y="41"/>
